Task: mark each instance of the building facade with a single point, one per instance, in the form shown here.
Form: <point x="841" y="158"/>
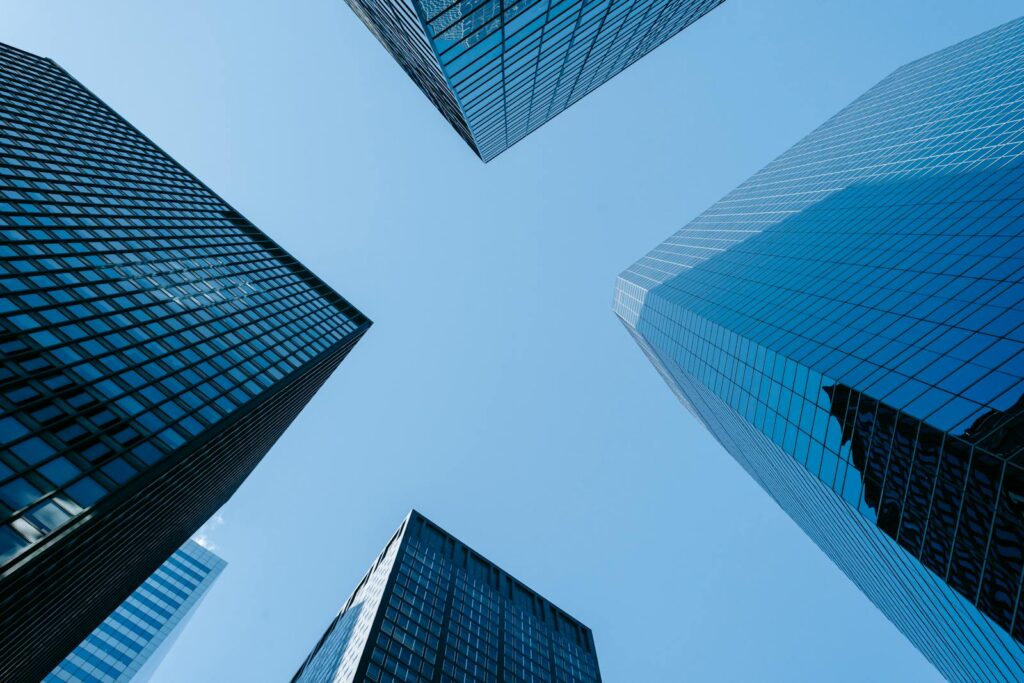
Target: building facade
<point x="131" y="641"/>
<point x="154" y="346"/>
<point x="431" y="609"/>
<point x="499" y="70"/>
<point x="849" y="323"/>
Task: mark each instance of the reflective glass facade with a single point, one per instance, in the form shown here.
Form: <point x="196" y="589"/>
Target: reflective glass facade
<point x="154" y="345"/>
<point x="145" y="623"/>
<point x="432" y="610"/>
<point x="849" y="323"/>
<point x="498" y="70"/>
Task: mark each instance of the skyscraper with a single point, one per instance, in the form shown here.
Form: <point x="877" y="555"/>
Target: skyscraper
<point x="154" y="346"/>
<point x="132" y="639"/>
<point x="849" y="324"/>
<point x="499" y="70"/>
<point x="431" y="609"/>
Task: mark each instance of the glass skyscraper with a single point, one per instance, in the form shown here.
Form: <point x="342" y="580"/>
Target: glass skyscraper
<point x="154" y="346"/>
<point x="431" y="609"/>
<point x="849" y="323"/>
<point x="498" y="70"/>
<point x="130" y="642"/>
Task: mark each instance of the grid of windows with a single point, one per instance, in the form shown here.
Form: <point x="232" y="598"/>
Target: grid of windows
<point x="860" y="303"/>
<point x="448" y="615"/>
<point x="471" y="648"/>
<point x="142" y="320"/>
<point x="138" y="308"/>
<point x="510" y="66"/>
<point x="118" y="649"/>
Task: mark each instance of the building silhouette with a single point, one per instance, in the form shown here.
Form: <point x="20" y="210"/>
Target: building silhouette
<point x="154" y="346"/>
<point x="499" y="70"/>
<point x="849" y="324"/>
<point x="431" y="609"/>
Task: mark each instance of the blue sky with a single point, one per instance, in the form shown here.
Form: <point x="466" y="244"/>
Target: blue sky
<point x="496" y="392"/>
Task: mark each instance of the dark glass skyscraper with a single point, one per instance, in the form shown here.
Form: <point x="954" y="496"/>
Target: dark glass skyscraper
<point x="131" y="641"/>
<point x="499" y="70"/>
<point x="849" y="323"/>
<point x="154" y="346"/>
<point x="432" y="610"/>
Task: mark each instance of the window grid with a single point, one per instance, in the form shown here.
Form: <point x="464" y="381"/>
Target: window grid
<point x="500" y="69"/>
<point x="857" y="307"/>
<point x="138" y="310"/>
<point x="446" y="614"/>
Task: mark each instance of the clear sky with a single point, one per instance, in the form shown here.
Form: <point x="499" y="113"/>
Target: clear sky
<point x="496" y="392"/>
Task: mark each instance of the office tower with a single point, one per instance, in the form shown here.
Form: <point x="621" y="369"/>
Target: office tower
<point x="849" y="324"/>
<point x="154" y="345"/>
<point x="431" y="609"/>
<point x="132" y="640"/>
<point x="499" y="70"/>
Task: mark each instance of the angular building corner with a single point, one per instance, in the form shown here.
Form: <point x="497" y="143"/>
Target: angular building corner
<point x="499" y="70"/>
<point x="129" y="644"/>
<point x="432" y="609"/>
<point x="849" y="324"/>
<point x="154" y="344"/>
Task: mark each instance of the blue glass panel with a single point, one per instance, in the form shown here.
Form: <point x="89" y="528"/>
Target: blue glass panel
<point x="848" y="323"/>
